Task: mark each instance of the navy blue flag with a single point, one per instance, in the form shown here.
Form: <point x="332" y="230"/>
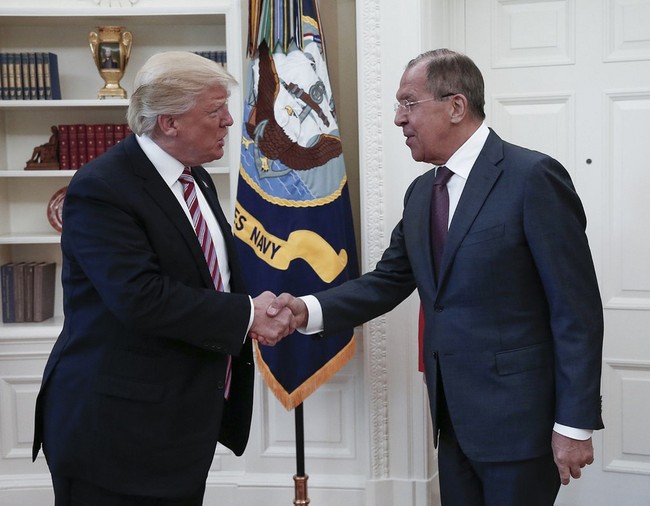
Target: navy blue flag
<point x="293" y="223"/>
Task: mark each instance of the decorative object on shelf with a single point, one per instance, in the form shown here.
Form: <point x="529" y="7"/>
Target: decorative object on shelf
<point x="45" y="156"/>
<point x="111" y="49"/>
<point x="55" y="209"/>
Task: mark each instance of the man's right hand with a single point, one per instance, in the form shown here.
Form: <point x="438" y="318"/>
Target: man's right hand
<point x="297" y="306"/>
<point x="270" y="326"/>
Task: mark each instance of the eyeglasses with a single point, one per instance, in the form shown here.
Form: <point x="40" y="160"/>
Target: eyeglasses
<point x="407" y="105"/>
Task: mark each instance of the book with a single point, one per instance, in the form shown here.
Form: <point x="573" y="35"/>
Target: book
<point x="119" y="132"/>
<point x="4" y="76"/>
<point x="51" y="73"/>
<point x="40" y="76"/>
<point x="33" y="86"/>
<point x="19" y="292"/>
<point x="7" y="281"/>
<point x="91" y="145"/>
<point x="82" y="144"/>
<point x="73" y="146"/>
<point x="11" y="89"/>
<point x="100" y="138"/>
<point x="109" y="135"/>
<point x="28" y="291"/>
<point x="64" y="147"/>
<point x="18" y="75"/>
<point x="24" y="63"/>
<point x="44" y="284"/>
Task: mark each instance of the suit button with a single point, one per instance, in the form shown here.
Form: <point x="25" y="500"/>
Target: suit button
<point x="438" y="308"/>
<point x="435" y="355"/>
<point x="220" y="385"/>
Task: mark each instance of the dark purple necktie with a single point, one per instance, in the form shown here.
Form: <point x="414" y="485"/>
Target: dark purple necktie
<point x="439" y="226"/>
<point x="439" y="215"/>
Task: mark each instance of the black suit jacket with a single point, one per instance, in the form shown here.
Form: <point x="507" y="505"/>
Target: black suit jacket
<point x="132" y="397"/>
<point x="514" y="327"/>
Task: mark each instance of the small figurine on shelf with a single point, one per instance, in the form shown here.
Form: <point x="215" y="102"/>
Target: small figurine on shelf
<point x="45" y="156"/>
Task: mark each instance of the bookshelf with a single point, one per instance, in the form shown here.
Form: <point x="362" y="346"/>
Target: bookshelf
<point x="28" y="26"/>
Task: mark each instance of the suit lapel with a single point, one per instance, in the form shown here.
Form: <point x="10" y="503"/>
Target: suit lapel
<point x="161" y="195"/>
<point x="480" y="182"/>
<point x="421" y="202"/>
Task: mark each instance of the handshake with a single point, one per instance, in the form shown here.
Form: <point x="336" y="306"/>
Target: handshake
<point x="276" y="317"/>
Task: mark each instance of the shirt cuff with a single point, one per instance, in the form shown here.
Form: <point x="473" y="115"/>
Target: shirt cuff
<point x="250" y="318"/>
<point x="573" y="433"/>
<point x="314" y="323"/>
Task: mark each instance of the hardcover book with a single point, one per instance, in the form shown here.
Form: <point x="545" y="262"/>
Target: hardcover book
<point x="18" y="72"/>
<point x="100" y="138"/>
<point x="33" y="83"/>
<point x="109" y="135"/>
<point x="74" y="146"/>
<point x="4" y="76"/>
<point x="28" y="291"/>
<point x="120" y="132"/>
<point x="44" y="284"/>
<point x="82" y="143"/>
<point x="7" y="281"/>
<point x="19" y="291"/>
<point x="91" y="143"/>
<point x="18" y="76"/>
<point x="24" y="63"/>
<point x="11" y="89"/>
<point x="51" y="72"/>
<point x="64" y="147"/>
<point x="40" y="76"/>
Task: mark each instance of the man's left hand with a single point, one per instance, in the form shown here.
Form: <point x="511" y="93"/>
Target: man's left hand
<point x="571" y="455"/>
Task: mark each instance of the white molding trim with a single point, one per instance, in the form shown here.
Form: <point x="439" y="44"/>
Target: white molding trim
<point x="372" y="223"/>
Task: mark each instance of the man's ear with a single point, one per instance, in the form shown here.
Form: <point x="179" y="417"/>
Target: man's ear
<point x="167" y="125"/>
<point x="459" y="108"/>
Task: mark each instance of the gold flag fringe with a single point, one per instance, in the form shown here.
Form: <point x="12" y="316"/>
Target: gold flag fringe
<point x="295" y="398"/>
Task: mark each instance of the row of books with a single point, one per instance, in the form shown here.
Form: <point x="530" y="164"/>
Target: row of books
<point x="217" y="56"/>
<point x="29" y="76"/>
<point x="80" y="143"/>
<point x="27" y="291"/>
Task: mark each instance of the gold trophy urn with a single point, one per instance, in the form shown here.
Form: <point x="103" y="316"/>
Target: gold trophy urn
<point x="111" y="48"/>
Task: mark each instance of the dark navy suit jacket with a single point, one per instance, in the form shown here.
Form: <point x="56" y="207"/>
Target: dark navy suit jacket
<point x="514" y="327"/>
<point x="132" y="397"/>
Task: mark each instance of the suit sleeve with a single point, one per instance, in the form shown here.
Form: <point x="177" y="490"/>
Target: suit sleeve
<point x="376" y="292"/>
<point x="554" y="224"/>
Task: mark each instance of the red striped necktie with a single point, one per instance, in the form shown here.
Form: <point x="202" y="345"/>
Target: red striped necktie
<point x="205" y="239"/>
<point x="201" y="227"/>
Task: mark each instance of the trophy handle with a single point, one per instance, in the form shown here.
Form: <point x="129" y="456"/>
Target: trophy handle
<point x="126" y="42"/>
<point x="93" y="39"/>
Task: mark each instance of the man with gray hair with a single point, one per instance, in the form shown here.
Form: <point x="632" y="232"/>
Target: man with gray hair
<point x="493" y="238"/>
<point x="154" y="364"/>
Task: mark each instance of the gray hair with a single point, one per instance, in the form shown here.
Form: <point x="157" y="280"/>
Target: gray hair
<point x="169" y="83"/>
<point x="452" y="72"/>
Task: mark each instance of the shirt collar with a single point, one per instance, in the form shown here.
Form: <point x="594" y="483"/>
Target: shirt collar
<point x="462" y="161"/>
<point x="167" y="166"/>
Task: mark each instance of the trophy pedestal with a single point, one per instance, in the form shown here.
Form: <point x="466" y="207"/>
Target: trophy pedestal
<point x="111" y="90"/>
